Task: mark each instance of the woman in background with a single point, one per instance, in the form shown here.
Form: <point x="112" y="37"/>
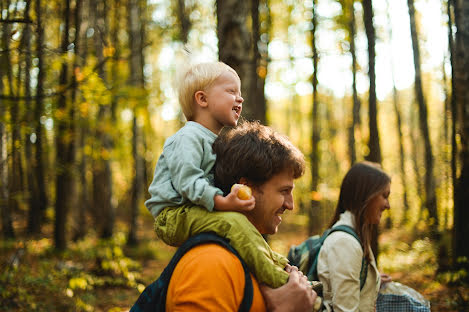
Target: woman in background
<point x="346" y="266"/>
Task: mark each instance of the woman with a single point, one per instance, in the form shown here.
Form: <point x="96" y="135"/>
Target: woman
<point x="363" y="197"/>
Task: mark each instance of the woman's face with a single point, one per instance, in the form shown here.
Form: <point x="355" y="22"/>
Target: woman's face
<point x="378" y="204"/>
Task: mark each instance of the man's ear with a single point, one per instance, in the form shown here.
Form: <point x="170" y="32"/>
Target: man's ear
<point x="201" y="98"/>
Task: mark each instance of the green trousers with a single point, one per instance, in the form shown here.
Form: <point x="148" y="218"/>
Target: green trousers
<point x="174" y="225"/>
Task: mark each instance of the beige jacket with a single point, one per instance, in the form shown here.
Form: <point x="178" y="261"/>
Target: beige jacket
<point x="339" y="265"/>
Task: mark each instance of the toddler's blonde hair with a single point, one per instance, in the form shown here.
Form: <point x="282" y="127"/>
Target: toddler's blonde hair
<point x="198" y="77"/>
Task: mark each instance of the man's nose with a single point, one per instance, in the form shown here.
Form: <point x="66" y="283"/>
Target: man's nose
<point x="288" y="202"/>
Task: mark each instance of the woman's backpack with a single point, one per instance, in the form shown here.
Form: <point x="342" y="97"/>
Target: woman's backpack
<point x="305" y="256"/>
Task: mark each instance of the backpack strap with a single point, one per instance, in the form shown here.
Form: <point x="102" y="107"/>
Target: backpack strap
<point x="343" y="228"/>
<point x="153" y="298"/>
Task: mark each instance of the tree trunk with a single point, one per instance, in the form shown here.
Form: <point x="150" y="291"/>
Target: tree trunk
<point x="453" y="104"/>
<point x="236" y="48"/>
<point x="314" y="224"/>
<point x="184" y="20"/>
<point x="16" y="172"/>
<point x="63" y="166"/>
<point x="5" y="211"/>
<point x="136" y="81"/>
<point x="461" y="213"/>
<point x="102" y="174"/>
<point x="258" y="70"/>
<point x="397" y="111"/>
<point x="356" y="99"/>
<point x="430" y="193"/>
<point x="34" y="212"/>
<point x="38" y="111"/>
<point x="373" y="143"/>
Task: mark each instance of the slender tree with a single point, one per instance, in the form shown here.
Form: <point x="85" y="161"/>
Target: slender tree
<point x="461" y="213"/>
<point x="62" y="158"/>
<point x="430" y="193"/>
<point x="314" y="212"/>
<point x="373" y="143"/>
<point x="137" y="82"/>
<point x="102" y="174"/>
<point x="350" y="11"/>
<point x="398" y="113"/>
<point x="34" y="214"/>
<point x="38" y="164"/>
<point x="5" y="211"/>
<point x="184" y="21"/>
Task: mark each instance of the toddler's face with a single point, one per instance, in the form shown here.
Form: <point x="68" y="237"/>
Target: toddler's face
<point x="225" y="101"/>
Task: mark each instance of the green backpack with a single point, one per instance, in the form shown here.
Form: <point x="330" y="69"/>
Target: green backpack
<point x="305" y="256"/>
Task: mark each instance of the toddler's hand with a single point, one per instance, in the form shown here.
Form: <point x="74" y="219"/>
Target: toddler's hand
<point x="233" y="202"/>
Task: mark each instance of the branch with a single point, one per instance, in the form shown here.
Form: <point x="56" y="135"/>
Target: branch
<point x="16" y="20"/>
<point x="52" y="94"/>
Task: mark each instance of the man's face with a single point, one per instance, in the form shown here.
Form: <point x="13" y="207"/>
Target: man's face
<point x="272" y="198"/>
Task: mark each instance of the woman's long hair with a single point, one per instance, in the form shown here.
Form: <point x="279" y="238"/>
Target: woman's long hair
<point x="362" y="182"/>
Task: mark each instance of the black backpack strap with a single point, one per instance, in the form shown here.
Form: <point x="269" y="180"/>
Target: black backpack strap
<point x="153" y="298"/>
<point x="351" y="231"/>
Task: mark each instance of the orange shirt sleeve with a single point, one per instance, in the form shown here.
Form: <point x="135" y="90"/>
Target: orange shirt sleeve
<point x="209" y="278"/>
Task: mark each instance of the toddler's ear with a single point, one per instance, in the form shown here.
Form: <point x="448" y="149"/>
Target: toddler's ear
<point x="201" y="98"/>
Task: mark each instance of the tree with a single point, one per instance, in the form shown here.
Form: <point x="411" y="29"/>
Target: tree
<point x="397" y="111"/>
<point x="7" y="223"/>
<point x="63" y="157"/>
<point x="34" y="213"/>
<point x="430" y="194"/>
<point x="137" y="83"/>
<point x="102" y="174"/>
<point x="314" y="212"/>
<point x="38" y="164"/>
<point x="349" y="8"/>
<point x="373" y="143"/>
<point x="461" y="213"/>
<point x="236" y="45"/>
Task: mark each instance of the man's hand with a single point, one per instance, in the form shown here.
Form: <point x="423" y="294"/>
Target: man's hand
<point x="232" y="202"/>
<point x="295" y="295"/>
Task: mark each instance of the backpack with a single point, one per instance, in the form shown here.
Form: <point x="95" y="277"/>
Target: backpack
<point x="305" y="256"/>
<point x="153" y="297"/>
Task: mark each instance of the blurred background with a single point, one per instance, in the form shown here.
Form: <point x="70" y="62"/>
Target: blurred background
<point x="88" y="97"/>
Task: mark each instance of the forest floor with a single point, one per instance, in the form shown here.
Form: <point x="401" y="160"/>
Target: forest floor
<point x="107" y="276"/>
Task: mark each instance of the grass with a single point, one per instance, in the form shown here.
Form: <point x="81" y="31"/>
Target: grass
<point x="94" y="275"/>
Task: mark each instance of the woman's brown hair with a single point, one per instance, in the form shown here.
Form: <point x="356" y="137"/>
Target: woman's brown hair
<point x="362" y="182"/>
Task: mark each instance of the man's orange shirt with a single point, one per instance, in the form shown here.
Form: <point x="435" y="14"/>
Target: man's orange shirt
<point x="209" y="278"/>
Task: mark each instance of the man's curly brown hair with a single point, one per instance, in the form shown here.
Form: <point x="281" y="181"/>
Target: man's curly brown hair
<point x="256" y="153"/>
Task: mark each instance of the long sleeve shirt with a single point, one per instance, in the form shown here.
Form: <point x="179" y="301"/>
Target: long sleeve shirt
<point x="184" y="170"/>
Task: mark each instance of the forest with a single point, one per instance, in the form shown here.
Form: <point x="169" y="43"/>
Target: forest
<point x="88" y="97"/>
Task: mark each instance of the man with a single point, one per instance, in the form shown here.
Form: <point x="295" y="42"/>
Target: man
<point x="209" y="277"/>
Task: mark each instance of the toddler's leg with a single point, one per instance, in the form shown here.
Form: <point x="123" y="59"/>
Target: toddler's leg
<point x="170" y="225"/>
<point x="176" y="224"/>
<point x="267" y="265"/>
